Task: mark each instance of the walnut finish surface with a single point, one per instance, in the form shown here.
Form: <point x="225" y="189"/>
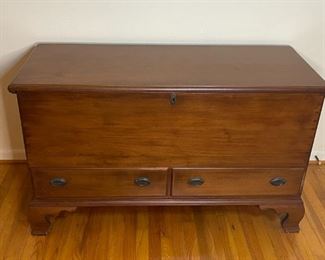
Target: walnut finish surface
<point x="100" y="182"/>
<point x="124" y="130"/>
<point x="227" y="68"/>
<point x="240" y="182"/>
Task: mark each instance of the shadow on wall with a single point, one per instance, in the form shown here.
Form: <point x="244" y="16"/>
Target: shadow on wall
<point x="13" y="147"/>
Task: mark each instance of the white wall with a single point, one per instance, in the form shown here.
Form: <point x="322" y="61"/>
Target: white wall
<point x="22" y="23"/>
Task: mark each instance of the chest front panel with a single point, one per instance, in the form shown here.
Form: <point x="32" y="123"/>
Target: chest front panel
<point x="168" y="129"/>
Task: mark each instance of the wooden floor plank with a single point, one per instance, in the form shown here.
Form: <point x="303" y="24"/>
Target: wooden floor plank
<point x="225" y="232"/>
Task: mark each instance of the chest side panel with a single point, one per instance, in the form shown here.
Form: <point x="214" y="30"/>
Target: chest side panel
<point x="146" y="130"/>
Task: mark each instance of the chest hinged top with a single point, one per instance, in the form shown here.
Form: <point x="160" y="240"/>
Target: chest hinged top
<point x="93" y="67"/>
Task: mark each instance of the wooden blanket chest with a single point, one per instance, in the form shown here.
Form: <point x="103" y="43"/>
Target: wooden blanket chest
<point x="167" y="125"/>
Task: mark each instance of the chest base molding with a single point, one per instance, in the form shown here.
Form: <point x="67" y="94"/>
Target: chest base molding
<point x="42" y="213"/>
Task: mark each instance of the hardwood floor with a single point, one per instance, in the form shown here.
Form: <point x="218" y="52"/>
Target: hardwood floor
<point x="160" y="232"/>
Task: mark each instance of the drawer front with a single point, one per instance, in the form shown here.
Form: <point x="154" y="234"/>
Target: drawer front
<point x="134" y="130"/>
<point x="236" y="182"/>
<point x="99" y="182"/>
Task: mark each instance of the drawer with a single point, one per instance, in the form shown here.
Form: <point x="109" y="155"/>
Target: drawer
<point x="99" y="182"/>
<point x="236" y="182"/>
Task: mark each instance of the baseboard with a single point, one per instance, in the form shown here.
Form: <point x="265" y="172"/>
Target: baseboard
<point x="12" y="161"/>
<point x="320" y="157"/>
<point x="12" y="155"/>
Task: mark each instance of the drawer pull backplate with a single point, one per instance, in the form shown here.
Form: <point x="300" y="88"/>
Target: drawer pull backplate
<point x="278" y="181"/>
<point x="142" y="181"/>
<point x="58" y="182"/>
<point x="195" y="181"/>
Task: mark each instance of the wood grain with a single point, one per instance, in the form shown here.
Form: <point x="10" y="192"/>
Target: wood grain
<point x="94" y="67"/>
<point x="224" y="232"/>
<point x="122" y="130"/>
<point x="240" y="182"/>
<point x="98" y="182"/>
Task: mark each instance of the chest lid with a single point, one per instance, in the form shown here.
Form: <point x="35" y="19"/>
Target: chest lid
<point x="74" y="67"/>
